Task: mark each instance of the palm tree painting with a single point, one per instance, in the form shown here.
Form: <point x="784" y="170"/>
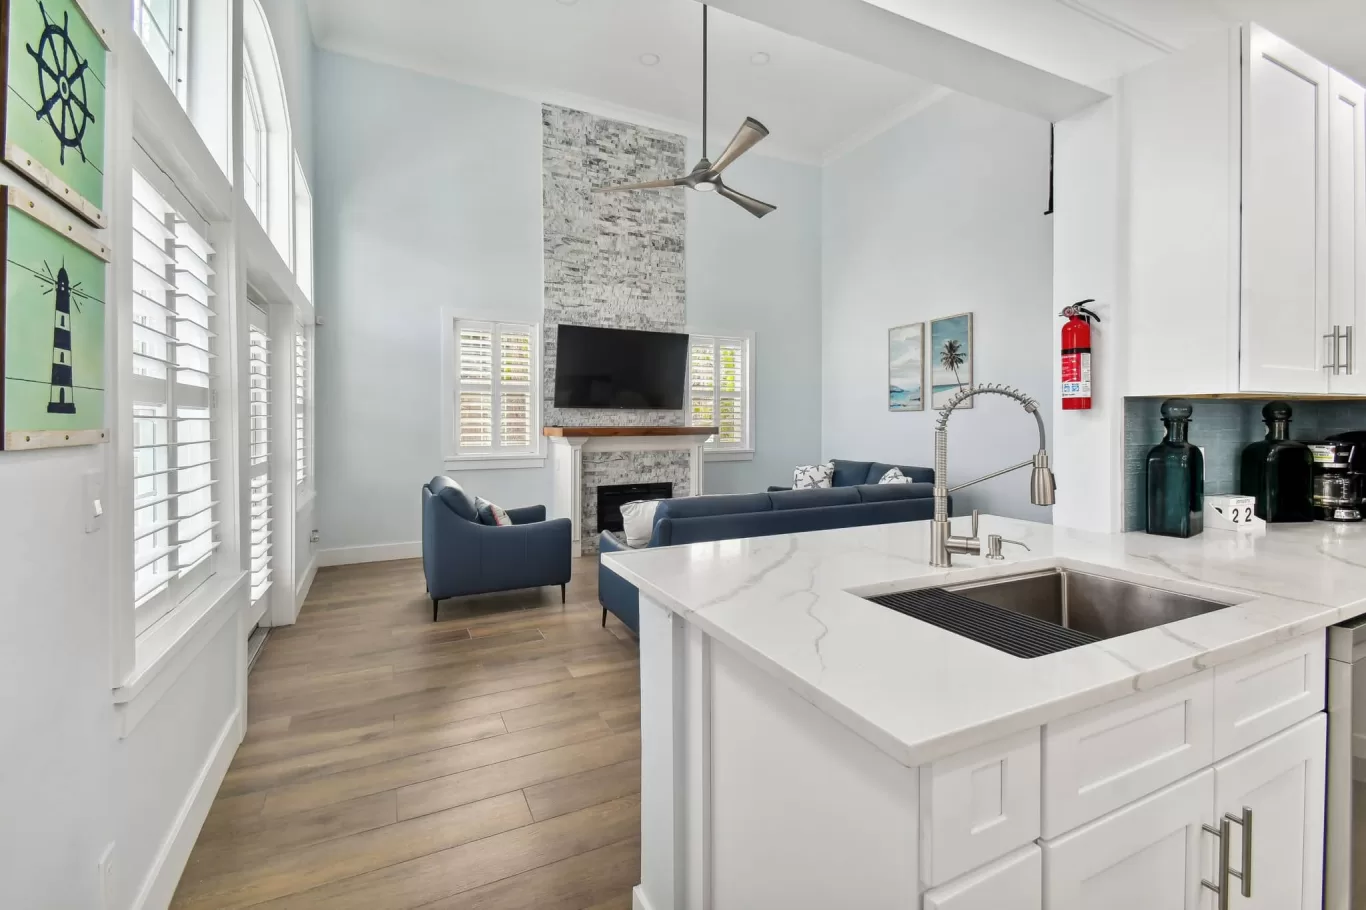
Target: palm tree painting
<point x="951" y="369"/>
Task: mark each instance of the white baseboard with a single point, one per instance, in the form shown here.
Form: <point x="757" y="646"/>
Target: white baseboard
<point x="159" y="886"/>
<point x="638" y="899"/>
<point x="380" y="552"/>
<point x="305" y="583"/>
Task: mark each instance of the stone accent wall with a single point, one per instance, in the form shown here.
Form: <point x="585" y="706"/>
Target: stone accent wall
<point x="611" y="259"/>
<point x="628" y="467"/>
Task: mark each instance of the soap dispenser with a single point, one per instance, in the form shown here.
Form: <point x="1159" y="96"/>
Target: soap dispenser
<point x="1278" y="471"/>
<point x="1176" y="477"/>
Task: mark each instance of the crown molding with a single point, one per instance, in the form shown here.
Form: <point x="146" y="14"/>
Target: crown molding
<point x="1086" y="9"/>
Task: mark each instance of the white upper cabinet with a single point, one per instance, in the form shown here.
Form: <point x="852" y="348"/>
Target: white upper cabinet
<point x="1347" y="233"/>
<point x="1247" y="221"/>
<point x="1285" y="312"/>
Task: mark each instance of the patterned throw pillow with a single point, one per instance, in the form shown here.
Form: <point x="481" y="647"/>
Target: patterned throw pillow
<point x="895" y="476"/>
<point x="813" y="476"/>
<point x="490" y="514"/>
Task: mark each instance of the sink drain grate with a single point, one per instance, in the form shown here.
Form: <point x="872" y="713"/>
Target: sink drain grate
<point x="1005" y="630"/>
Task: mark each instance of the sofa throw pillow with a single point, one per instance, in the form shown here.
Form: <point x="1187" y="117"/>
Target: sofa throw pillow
<point x="490" y="514"/>
<point x="813" y="476"/>
<point x="895" y="476"/>
<point x="638" y="520"/>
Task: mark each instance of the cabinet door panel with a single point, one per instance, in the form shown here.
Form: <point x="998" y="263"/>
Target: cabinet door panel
<point x="1149" y="855"/>
<point x="1281" y="780"/>
<point x="1011" y="883"/>
<point x="1347" y="231"/>
<point x="1285" y="305"/>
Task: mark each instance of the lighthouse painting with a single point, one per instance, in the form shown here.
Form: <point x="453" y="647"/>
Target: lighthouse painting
<point x="53" y="329"/>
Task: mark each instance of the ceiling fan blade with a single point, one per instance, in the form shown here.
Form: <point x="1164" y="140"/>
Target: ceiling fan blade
<point x="647" y="185"/>
<point x="748" y="203"/>
<point x="749" y="134"/>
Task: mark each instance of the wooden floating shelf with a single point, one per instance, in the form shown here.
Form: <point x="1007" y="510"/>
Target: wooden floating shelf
<point x="629" y="431"/>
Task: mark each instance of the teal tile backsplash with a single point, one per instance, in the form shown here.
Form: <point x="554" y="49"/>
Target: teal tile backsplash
<point x="1222" y="429"/>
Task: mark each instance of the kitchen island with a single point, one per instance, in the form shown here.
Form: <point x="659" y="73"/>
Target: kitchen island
<point x="803" y="746"/>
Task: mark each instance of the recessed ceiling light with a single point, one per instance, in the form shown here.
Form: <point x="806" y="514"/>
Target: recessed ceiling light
<point x="649" y="59"/>
<point x="760" y="59"/>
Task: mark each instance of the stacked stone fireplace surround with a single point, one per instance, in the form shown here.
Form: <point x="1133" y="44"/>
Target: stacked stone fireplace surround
<point x="613" y="260"/>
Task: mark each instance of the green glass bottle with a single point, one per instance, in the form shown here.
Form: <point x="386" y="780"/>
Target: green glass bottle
<point x="1278" y="471"/>
<point x="1176" y="477"/>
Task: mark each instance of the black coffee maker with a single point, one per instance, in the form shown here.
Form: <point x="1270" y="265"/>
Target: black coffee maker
<point x="1339" y="484"/>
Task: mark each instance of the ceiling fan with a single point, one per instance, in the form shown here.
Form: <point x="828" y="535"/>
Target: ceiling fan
<point x="705" y="177"/>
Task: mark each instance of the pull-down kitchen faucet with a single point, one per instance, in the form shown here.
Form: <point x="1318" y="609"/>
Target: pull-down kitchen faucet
<point x="943" y="544"/>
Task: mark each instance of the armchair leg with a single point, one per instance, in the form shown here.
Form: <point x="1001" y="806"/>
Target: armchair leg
<point x="562" y="594"/>
<point x="435" y="604"/>
<point x="604" y="617"/>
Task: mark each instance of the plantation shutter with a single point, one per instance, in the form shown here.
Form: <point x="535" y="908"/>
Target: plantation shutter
<point x="702" y="380"/>
<point x="301" y="352"/>
<point x="730" y="377"/>
<point x="495" y="398"/>
<point x="175" y="474"/>
<point x="718" y="389"/>
<point x="259" y="510"/>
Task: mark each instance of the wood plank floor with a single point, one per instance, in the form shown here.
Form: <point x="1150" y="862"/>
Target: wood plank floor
<point x="488" y="760"/>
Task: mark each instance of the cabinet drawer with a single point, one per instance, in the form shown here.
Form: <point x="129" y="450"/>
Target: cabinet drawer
<point x="1012" y="883"/>
<point x="1099" y="760"/>
<point x="1268" y="692"/>
<point x="978" y="805"/>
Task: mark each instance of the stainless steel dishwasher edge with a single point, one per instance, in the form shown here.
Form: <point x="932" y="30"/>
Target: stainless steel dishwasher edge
<point x="1345" y="840"/>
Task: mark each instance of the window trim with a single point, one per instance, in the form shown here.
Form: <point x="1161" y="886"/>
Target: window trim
<point x="711" y="450"/>
<point x="455" y="459"/>
<point x="303" y="252"/>
<point x="253" y="107"/>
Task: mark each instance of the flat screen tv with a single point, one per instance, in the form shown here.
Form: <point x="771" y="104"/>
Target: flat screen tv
<point x="620" y="368"/>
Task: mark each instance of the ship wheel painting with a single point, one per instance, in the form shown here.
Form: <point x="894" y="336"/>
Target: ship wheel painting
<point x="53" y="111"/>
<point x="53" y="310"/>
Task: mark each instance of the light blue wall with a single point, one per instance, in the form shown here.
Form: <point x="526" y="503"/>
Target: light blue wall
<point x="940" y="215"/>
<point x="763" y="276"/>
<point x="428" y="195"/>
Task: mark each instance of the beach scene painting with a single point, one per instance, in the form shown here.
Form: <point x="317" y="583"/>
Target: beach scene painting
<point x="951" y="357"/>
<point x="906" y="367"/>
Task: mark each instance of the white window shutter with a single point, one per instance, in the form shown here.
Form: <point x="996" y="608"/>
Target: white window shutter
<point x="497" y="394"/>
<point x="175" y="450"/>
<point x="301" y="352"/>
<point x="259" y="516"/>
<point x="702" y="380"/>
<point x="731" y="392"/>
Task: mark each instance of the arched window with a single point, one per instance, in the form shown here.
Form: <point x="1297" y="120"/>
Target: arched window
<point x="268" y="157"/>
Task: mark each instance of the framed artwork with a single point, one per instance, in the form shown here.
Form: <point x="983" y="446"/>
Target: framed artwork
<point x="906" y="367"/>
<point x="51" y="329"/>
<point x="951" y="355"/>
<point x="53" y="109"/>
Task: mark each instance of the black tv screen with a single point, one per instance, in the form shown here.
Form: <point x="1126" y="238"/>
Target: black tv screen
<point x="620" y="368"/>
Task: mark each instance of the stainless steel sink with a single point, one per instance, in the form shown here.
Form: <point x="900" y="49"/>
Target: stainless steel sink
<point x="1091" y="604"/>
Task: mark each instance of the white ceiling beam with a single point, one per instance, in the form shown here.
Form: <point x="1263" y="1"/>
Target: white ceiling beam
<point x="871" y="33"/>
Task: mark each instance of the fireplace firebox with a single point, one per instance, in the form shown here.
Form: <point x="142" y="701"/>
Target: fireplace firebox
<point x="611" y="497"/>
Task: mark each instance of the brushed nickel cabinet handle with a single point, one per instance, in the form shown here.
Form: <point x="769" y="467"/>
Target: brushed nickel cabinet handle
<point x="1222" y="872"/>
<point x="1244" y="875"/>
<point x="1351" y="350"/>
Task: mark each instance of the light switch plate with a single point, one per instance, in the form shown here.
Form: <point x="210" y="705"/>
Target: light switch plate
<point x="94" y="502"/>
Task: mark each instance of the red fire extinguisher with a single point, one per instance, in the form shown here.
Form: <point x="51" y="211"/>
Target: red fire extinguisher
<point x="1076" y="356"/>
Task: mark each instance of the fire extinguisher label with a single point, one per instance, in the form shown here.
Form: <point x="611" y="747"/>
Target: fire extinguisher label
<point x="1076" y="375"/>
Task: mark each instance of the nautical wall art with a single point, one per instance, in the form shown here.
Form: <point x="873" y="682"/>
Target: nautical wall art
<point x="906" y="367"/>
<point x="52" y="114"/>
<point x="951" y="358"/>
<point x="52" y="325"/>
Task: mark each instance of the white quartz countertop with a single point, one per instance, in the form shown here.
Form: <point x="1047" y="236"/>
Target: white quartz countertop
<point x="919" y="692"/>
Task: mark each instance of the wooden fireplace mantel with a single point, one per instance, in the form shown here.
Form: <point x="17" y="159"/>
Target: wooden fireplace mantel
<point x="574" y="432"/>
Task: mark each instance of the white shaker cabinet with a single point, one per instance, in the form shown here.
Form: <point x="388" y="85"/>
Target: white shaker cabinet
<point x="1244" y="168"/>
<point x="1011" y="883"/>
<point x="1347" y="234"/>
<point x="1149" y="855"/>
<point x="1285" y="311"/>
<point x="1276" y="791"/>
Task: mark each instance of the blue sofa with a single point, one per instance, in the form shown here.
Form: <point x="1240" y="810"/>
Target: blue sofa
<point x="854" y="473"/>
<point x="705" y="518"/>
<point x="461" y="555"/>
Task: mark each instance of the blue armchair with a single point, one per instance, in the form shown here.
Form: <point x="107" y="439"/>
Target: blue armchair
<point x="460" y="555"/>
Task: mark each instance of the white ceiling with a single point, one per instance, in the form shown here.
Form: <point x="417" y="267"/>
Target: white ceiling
<point x="815" y="101"/>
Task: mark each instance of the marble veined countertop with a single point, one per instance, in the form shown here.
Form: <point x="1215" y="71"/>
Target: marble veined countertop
<point x="919" y="692"/>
